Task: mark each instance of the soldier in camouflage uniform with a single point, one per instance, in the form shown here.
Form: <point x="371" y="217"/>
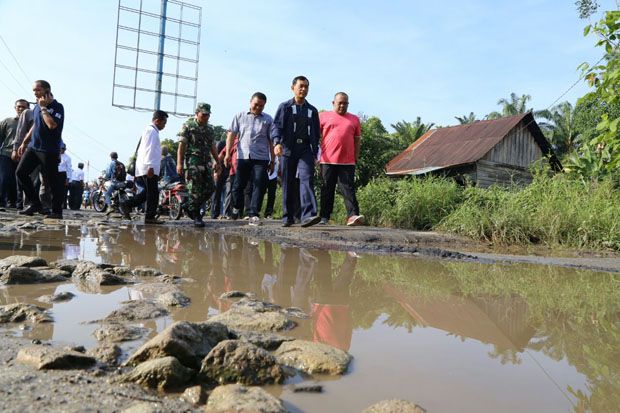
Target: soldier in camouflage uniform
<point x="196" y="142"/>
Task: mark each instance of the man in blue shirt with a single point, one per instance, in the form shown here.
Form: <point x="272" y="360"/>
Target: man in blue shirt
<point x="46" y="135"/>
<point x="254" y="128"/>
<point x="110" y="175"/>
<point x="297" y="140"/>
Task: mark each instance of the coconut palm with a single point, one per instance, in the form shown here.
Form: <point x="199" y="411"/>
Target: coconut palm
<point x="408" y="132"/>
<point x="561" y="130"/>
<point x="466" y="119"/>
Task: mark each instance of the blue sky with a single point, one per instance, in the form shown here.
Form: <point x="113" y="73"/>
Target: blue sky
<point x="396" y="59"/>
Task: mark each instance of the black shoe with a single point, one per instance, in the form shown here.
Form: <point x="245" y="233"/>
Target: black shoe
<point x="30" y="211"/>
<point x="124" y="210"/>
<point x="11" y="206"/>
<point x="287" y="223"/>
<point x="153" y="221"/>
<point x="310" y="221"/>
<point x="53" y="216"/>
<point x="199" y="223"/>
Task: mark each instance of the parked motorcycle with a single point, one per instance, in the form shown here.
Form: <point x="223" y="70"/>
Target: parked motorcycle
<point x="174" y="200"/>
<point x="124" y="192"/>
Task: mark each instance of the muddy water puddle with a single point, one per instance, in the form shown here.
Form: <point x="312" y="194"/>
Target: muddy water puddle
<point x="450" y="336"/>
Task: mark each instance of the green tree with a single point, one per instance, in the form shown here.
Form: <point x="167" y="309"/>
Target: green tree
<point x="408" y="132"/>
<point x="466" y="119"/>
<point x="172" y="145"/>
<point x="600" y="156"/>
<point x="561" y="132"/>
<point x="586" y="8"/>
<point x="377" y="149"/>
<point x="511" y="106"/>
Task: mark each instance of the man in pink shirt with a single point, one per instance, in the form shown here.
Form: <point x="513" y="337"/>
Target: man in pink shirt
<point x="340" y="148"/>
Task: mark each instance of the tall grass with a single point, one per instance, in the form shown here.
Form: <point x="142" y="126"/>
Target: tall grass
<point x="556" y="211"/>
<point x="411" y="203"/>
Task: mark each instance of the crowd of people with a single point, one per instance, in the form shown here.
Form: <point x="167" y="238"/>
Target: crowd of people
<point x="235" y="173"/>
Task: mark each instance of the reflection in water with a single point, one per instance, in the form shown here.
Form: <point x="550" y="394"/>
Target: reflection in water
<point x="495" y="337"/>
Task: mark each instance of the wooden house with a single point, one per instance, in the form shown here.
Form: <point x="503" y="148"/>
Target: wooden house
<point x="485" y="152"/>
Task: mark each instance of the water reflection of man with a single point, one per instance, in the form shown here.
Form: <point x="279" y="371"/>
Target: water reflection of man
<point x="331" y="313"/>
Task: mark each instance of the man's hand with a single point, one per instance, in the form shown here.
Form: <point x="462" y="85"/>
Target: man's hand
<point x="14" y="156"/>
<point x="180" y="169"/>
<point x="21" y="150"/>
<point x="217" y="168"/>
<point x="45" y="100"/>
<point x="227" y="159"/>
<point x="150" y="173"/>
<point x="277" y="150"/>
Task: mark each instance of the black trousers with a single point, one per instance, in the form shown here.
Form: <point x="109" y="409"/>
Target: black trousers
<point x="257" y="171"/>
<point x="217" y="201"/>
<point x="149" y="192"/>
<point x="49" y="171"/>
<point x="8" y="185"/>
<point x="344" y="175"/>
<point x="272" y="186"/>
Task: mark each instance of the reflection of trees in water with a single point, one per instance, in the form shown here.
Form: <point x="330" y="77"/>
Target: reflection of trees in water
<point x="575" y="315"/>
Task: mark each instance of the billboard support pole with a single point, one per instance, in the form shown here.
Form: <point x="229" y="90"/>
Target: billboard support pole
<point x="160" y="53"/>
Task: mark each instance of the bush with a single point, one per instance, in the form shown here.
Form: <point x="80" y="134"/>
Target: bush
<point x="410" y="203"/>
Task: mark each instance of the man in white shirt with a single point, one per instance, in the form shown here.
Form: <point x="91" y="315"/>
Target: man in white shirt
<point x="76" y="188"/>
<point x="64" y="172"/>
<point x="148" y="164"/>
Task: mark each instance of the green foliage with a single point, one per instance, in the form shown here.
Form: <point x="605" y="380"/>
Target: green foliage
<point x="562" y="132"/>
<point x="411" y="203"/>
<point x="605" y="78"/>
<point x="555" y="211"/>
<point x="172" y="145"/>
<point x="377" y="149"/>
<point x="405" y="133"/>
<point x="466" y="119"/>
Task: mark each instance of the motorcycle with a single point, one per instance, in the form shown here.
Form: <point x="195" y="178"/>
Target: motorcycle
<point x="174" y="200"/>
<point x="123" y="192"/>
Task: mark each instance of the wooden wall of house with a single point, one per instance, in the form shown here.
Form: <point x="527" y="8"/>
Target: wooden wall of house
<point x="493" y="173"/>
<point x="518" y="148"/>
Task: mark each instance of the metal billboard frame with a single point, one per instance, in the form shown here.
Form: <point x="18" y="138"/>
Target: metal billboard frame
<point x="164" y="40"/>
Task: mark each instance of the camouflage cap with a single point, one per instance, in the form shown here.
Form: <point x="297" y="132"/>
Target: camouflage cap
<point x="203" y="108"/>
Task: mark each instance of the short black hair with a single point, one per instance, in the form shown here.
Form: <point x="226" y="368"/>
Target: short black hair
<point x="44" y="84"/>
<point x="260" y="95"/>
<point x="159" y="115"/>
<point x="22" y="100"/>
<point x="341" y="94"/>
<point x="80" y="165"/>
<point x="113" y="155"/>
<point x="300" y="77"/>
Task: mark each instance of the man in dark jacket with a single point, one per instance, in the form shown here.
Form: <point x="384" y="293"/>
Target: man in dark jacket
<point x="296" y="139"/>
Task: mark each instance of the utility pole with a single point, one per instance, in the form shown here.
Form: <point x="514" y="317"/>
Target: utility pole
<point x="160" y="53"/>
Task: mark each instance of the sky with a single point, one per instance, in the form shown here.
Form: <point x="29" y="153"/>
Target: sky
<point x="396" y="59"/>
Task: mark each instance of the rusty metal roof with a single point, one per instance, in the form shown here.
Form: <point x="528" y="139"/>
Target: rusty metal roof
<point x="460" y="145"/>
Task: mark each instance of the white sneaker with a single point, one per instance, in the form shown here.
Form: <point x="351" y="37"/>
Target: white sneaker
<point x="255" y="221"/>
<point x="355" y="220"/>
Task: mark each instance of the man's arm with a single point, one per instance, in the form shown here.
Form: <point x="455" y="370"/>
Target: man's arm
<point x="276" y="130"/>
<point x="230" y="138"/>
<point x="180" y="155"/>
<point x="24" y="145"/>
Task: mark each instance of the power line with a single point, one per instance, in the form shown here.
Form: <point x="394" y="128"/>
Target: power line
<point x="28" y="78"/>
<point x="11" y="73"/>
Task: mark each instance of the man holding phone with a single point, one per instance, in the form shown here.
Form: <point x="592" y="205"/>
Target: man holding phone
<point x="46" y="135"/>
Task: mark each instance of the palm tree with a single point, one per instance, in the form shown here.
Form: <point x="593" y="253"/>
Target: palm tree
<point x="408" y="132"/>
<point x="561" y="130"/>
<point x="466" y="119"/>
<point x="515" y="105"/>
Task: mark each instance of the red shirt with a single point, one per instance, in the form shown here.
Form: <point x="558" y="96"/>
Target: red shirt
<point x="338" y="137"/>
